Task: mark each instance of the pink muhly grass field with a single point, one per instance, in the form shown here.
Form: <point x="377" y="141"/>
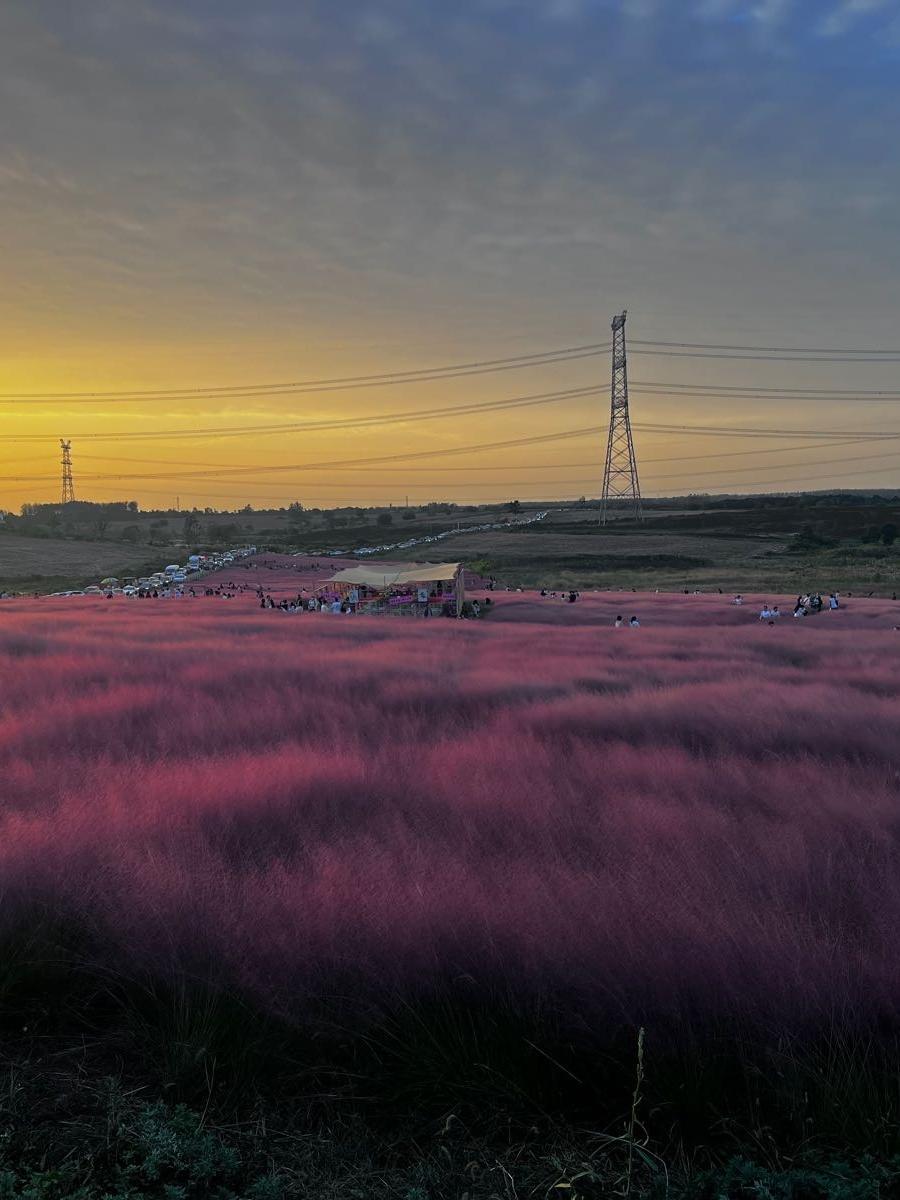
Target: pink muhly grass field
<point x="698" y="816"/>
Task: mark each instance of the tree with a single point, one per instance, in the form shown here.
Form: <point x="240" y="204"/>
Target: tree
<point x="888" y="534"/>
<point x="409" y="515"/>
<point x="191" y="527"/>
<point x="385" y="518"/>
<point x="223" y="533"/>
<point x="101" y="527"/>
<point x="514" y="506"/>
<point x="131" y="533"/>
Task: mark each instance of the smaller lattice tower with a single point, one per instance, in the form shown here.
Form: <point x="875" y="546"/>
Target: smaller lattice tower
<point x="68" y="487"/>
<point x="621" y="489"/>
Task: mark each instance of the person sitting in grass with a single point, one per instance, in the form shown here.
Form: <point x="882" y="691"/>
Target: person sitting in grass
<point x="766" y="612"/>
<point x="619" y="622"/>
<point x="634" y="623"/>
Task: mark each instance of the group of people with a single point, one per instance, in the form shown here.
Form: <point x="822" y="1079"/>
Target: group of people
<point x="805" y="605"/>
<point x="632" y="622"/>
<point x="312" y="604"/>
<point x="812" y="603"/>
<point x="569" y="597"/>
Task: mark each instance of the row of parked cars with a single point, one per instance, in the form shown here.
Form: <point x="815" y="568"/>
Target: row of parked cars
<point x="174" y="575"/>
<point x="432" y="537"/>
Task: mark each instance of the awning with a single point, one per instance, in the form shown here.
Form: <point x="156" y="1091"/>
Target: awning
<point x="389" y="575"/>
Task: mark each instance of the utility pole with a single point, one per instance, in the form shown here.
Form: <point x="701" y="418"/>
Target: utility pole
<point x="620" y="474"/>
<point x="68" y="487"/>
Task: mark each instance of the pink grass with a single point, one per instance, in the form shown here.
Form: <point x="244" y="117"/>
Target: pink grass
<point x="702" y="812"/>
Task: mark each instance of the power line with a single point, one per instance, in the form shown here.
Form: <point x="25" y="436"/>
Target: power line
<point x="337" y="383"/>
<point x="481" y="366"/>
<point x="385" y="458"/>
<point x="395" y="418"/>
<point x="777" y="466"/>
<point x="449" y="411"/>
<point x="768" y="349"/>
<point x="800" y="358"/>
<point x="752" y="392"/>
<point x="529" y="466"/>
<point x="227" y="473"/>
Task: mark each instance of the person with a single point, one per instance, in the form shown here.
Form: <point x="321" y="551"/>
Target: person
<point x="311" y="605"/>
<point x="775" y="613"/>
<point x="833" y="601"/>
<point x="618" y="623"/>
<point x="800" y="610"/>
<point x="476" y="608"/>
<point x="766" y="612"/>
<point x="739" y="599"/>
<point x="634" y="623"/>
<point x="335" y="606"/>
<point x="572" y="597"/>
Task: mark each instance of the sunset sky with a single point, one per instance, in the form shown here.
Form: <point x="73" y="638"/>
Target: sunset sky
<point x="225" y="193"/>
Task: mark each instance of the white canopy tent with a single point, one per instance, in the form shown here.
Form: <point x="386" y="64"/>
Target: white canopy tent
<point x="389" y="577"/>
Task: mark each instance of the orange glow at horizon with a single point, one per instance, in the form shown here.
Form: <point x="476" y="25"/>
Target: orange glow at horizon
<point x="231" y="471"/>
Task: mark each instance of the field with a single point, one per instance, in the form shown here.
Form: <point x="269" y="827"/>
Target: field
<point x="453" y="867"/>
<point x="55" y="564"/>
<point x="755" y="547"/>
<point x="780" y="544"/>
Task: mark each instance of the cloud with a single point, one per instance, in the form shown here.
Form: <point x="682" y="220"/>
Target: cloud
<point x="846" y="14"/>
<point x="769" y="14"/>
<point x="403" y="158"/>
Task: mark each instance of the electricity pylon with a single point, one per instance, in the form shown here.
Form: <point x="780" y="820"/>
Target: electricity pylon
<point x="621" y="488"/>
<point x="68" y="487"/>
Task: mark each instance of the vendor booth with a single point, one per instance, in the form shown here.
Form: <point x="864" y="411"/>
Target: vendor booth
<point x="419" y="589"/>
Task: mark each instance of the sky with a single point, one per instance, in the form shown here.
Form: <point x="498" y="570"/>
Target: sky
<point x="226" y="195"/>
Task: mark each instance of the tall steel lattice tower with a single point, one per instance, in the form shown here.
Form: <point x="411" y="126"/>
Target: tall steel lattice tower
<point x="68" y="487"/>
<point x="621" y="489"/>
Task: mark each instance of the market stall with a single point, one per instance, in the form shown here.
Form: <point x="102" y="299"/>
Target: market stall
<point x="433" y="589"/>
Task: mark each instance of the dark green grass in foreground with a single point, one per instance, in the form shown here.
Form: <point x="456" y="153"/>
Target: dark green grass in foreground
<point x="118" y="1088"/>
